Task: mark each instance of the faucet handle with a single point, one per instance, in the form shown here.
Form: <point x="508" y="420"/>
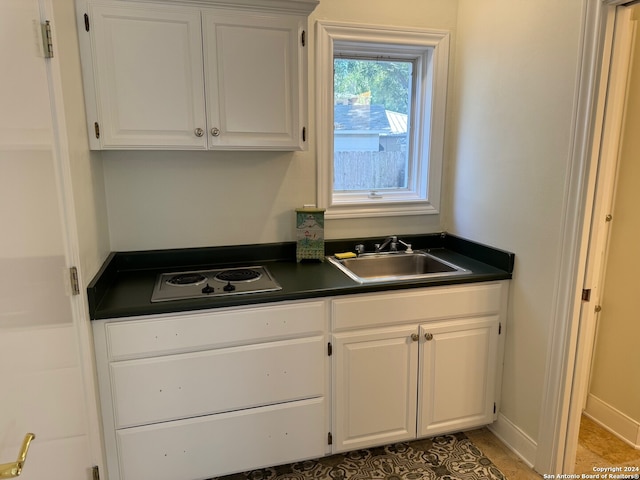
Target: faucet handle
<point x="359" y="248"/>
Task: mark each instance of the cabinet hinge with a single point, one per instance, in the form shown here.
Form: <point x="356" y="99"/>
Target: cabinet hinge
<point x="304" y="134"/>
<point x="95" y="472"/>
<point x="47" y="39"/>
<point x="329" y="349"/>
<point x="86" y="22"/>
<point x="96" y="127"/>
<point x="586" y="294"/>
<point x="329" y="439"/>
<point x="75" y="283"/>
<point x="303" y="38"/>
<point x="499" y="328"/>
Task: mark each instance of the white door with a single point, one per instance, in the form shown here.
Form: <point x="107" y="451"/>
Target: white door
<point x="41" y="376"/>
<point x="458" y="363"/>
<point x="375" y="387"/>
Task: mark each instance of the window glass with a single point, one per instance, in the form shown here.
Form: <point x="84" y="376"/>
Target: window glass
<point x="372" y="108"/>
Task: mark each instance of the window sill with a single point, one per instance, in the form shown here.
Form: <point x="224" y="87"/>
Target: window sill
<point x="380" y="210"/>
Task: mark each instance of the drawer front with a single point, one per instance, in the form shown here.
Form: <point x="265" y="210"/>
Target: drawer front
<point x="155" y="336"/>
<point x="201" y="383"/>
<point x="216" y="445"/>
<point x="359" y="311"/>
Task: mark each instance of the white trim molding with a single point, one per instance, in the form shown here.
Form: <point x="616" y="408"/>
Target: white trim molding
<point x="576" y="212"/>
<point x="613" y="420"/>
<point x="515" y="439"/>
<point x="430" y="50"/>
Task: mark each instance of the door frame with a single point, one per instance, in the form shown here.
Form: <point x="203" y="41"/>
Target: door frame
<point x="79" y="307"/>
<point x="592" y="181"/>
<point x="615" y="92"/>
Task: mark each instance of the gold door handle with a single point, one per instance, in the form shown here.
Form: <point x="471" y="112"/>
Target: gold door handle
<point x="11" y="470"/>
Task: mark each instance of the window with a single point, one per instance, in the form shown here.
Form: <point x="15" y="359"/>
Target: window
<point x="381" y="107"/>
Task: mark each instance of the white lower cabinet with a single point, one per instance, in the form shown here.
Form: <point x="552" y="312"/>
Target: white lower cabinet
<point x="375" y="383"/>
<point x="428" y="367"/>
<point x="218" y="444"/>
<point x="199" y="395"/>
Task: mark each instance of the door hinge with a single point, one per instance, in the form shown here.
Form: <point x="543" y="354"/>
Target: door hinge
<point x="303" y="38"/>
<point x="329" y="439"/>
<point x="96" y="127"/>
<point x="499" y="328"/>
<point x="304" y="134"/>
<point x="329" y="349"/>
<point x="586" y="294"/>
<point x="75" y="283"/>
<point x="494" y="408"/>
<point x="47" y="39"/>
<point x="86" y="22"/>
<point x="95" y="472"/>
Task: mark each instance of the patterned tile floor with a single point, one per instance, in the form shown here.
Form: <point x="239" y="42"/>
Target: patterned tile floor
<point x="508" y="462"/>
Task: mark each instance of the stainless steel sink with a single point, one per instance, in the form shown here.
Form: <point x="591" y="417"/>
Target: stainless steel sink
<point x="393" y="266"/>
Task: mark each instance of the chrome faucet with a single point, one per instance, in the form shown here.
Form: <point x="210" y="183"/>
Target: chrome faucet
<point x="393" y="242"/>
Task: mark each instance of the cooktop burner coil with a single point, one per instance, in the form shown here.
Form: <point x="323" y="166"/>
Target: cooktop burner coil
<point x="185" y="279"/>
<point x="238" y="275"/>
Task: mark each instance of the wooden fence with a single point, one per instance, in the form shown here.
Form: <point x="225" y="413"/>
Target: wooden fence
<point x="369" y="170"/>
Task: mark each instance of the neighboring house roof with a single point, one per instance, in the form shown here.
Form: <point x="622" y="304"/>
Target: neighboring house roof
<point x="368" y="118"/>
<point x="397" y="122"/>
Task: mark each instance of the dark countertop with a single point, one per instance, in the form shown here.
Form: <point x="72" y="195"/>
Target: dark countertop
<point x="123" y="286"/>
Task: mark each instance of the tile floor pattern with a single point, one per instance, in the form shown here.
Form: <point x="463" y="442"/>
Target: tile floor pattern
<point x="508" y="462"/>
<point x="597" y="448"/>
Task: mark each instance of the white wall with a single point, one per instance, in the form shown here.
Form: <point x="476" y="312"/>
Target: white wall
<point x="516" y="70"/>
<point x="191" y="199"/>
<point x="86" y="166"/>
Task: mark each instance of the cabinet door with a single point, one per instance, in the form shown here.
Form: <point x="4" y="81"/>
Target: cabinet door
<point x="375" y="387"/>
<point x="457" y="374"/>
<point x="253" y="75"/>
<point x="148" y="76"/>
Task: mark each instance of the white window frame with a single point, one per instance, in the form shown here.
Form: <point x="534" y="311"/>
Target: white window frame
<point x="429" y="50"/>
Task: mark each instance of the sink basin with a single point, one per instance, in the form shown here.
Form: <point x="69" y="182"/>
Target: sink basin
<point x="393" y="266"/>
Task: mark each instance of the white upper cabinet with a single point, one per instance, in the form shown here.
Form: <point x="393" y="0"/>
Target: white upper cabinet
<point x="191" y="76"/>
<point x="147" y="72"/>
<point x="253" y="80"/>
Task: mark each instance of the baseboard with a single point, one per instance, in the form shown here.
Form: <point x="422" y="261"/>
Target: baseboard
<point x="613" y="420"/>
<point x="515" y="439"/>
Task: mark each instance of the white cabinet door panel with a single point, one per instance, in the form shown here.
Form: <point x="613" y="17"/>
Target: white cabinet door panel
<point x="458" y="369"/>
<point x="220" y="444"/>
<point x="375" y="387"/>
<point x="148" y="76"/>
<point x="180" y="386"/>
<point x="252" y="79"/>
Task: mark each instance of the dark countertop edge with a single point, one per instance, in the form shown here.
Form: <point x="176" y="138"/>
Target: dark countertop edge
<point x="206" y="257"/>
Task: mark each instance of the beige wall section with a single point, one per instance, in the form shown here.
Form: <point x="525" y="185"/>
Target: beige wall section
<point x="86" y="166"/>
<point x="616" y="369"/>
<point x="516" y="70"/>
<point x="192" y="199"/>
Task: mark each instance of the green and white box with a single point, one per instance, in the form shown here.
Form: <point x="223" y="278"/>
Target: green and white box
<point x="310" y="234"/>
